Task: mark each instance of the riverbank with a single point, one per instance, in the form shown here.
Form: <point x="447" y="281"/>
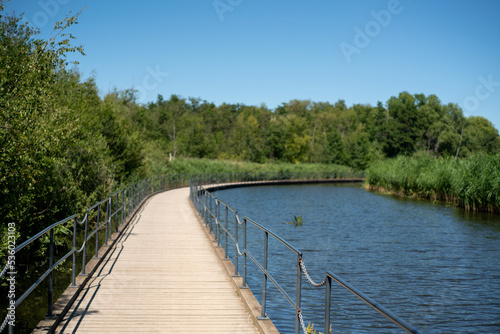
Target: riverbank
<point x="192" y="166"/>
<point x="472" y="183"/>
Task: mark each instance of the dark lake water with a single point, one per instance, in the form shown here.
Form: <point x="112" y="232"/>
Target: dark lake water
<point x="433" y="265"/>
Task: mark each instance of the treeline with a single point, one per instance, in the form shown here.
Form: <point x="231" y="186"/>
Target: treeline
<point x="63" y="146"/>
<point x="472" y="183"/>
<point x="316" y="132"/>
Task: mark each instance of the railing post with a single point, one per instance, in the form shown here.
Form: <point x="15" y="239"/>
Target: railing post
<point x="116" y="211"/>
<point x="97" y="232"/>
<point x="51" y="275"/>
<point x="244" y="253"/>
<point x="109" y="217"/>
<point x="107" y="224"/>
<point x="130" y="200"/>
<point x="73" y="274"/>
<point x="210" y="213"/>
<point x="264" y="283"/>
<point x="84" y="257"/>
<point x="128" y="192"/>
<point x="205" y="211"/>
<point x="236" y="255"/>
<point x="227" y="229"/>
<point x="218" y="222"/>
<point x="328" y="293"/>
<point x="123" y="206"/>
<point x="204" y="206"/>
<point x="298" y="294"/>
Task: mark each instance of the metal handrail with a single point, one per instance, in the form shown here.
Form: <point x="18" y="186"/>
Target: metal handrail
<point x="395" y="319"/>
<point x="125" y="201"/>
<point x="283" y="241"/>
<point x="39" y="234"/>
<point x="208" y="206"/>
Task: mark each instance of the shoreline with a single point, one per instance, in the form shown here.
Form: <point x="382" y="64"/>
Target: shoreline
<point x="434" y="197"/>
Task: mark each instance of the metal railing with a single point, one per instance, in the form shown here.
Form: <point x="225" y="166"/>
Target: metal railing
<point x="283" y="176"/>
<point x="116" y="208"/>
<point x="209" y="207"/>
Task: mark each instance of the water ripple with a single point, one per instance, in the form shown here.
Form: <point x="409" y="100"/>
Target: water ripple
<point x="432" y="265"/>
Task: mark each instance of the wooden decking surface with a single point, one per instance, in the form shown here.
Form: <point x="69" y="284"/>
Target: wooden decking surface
<point x="162" y="276"/>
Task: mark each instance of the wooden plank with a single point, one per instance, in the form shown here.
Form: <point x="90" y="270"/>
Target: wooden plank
<point x="163" y="276"/>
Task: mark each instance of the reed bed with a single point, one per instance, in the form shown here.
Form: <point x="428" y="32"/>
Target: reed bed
<point x="472" y="183"/>
<point x="190" y="166"/>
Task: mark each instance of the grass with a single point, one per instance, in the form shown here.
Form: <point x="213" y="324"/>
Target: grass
<point x="472" y="183"/>
<point x="192" y="166"/>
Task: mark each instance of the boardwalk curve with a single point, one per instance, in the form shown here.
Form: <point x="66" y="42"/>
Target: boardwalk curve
<point x="162" y="276"/>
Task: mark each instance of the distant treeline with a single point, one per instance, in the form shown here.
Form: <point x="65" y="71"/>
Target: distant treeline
<point x="63" y="147"/>
<point x="316" y="132"/>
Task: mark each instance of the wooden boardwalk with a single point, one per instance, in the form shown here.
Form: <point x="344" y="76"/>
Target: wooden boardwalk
<point x="162" y="276"/>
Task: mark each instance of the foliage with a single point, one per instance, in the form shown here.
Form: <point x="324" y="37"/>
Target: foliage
<point x="313" y="132"/>
<point x="310" y="329"/>
<point x="472" y="183"/>
<point x="51" y="162"/>
<point x="63" y="147"/>
<point x="196" y="166"/>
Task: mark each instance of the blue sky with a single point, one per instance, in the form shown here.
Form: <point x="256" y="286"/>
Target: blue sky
<point x="272" y="51"/>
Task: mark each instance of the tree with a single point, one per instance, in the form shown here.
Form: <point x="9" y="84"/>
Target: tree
<point x="479" y="135"/>
<point x="52" y="162"/>
<point x="122" y="136"/>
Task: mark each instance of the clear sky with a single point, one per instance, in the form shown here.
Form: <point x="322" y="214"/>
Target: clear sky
<point x="272" y="51"/>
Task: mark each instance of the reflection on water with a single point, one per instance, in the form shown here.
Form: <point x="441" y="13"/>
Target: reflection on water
<point x="435" y="266"/>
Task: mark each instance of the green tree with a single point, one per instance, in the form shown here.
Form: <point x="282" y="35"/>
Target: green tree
<point x="52" y="162"/>
<point x="479" y="135"/>
<point x="122" y="136"/>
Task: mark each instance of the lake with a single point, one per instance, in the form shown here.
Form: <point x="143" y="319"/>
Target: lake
<point x="435" y="266"/>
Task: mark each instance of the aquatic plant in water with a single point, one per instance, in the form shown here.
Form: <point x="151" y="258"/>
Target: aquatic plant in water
<point x="297" y="221"/>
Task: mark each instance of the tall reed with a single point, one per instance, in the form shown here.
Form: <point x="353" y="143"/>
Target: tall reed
<point x="472" y="183"/>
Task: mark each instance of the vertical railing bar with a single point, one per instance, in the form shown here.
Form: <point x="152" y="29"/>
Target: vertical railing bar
<point x="226" y="234"/>
<point x="244" y="252"/>
<point x="328" y="293"/>
<point x="298" y="295"/>
<point x="216" y="221"/>
<point x="107" y="224"/>
<point x="84" y="257"/>
<point x="218" y="224"/>
<point x="110" y="216"/>
<point x="116" y="210"/>
<point x="124" y="205"/>
<point x="73" y="274"/>
<point x="264" y="283"/>
<point x="210" y="213"/>
<point x="97" y="232"/>
<point x="51" y="275"/>
<point x="236" y="255"/>
<point x="206" y="209"/>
